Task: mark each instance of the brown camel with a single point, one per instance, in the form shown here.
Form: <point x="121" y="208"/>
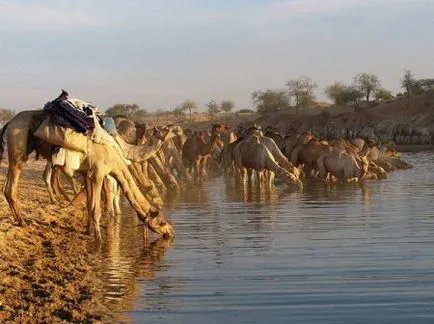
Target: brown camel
<point x="309" y="153"/>
<point x="196" y="152"/>
<point x="102" y="160"/>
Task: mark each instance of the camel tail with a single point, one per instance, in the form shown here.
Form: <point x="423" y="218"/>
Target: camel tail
<point x="2" y="141"/>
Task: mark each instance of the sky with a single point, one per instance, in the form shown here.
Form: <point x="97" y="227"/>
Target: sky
<point x="159" y="53"/>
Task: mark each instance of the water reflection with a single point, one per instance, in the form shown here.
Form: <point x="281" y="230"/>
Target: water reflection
<point x="126" y="260"/>
<point x="340" y="253"/>
<point x="251" y="193"/>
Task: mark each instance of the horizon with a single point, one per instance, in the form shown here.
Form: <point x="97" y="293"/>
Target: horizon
<point x="159" y="53"/>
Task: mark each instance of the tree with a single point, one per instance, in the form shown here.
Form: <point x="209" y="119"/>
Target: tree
<point x="140" y="114"/>
<point x="426" y="84"/>
<point x="213" y="108"/>
<point x="352" y="94"/>
<point x="269" y="101"/>
<point x="5" y="115"/>
<point x="129" y="110"/>
<point x="302" y="91"/>
<point x="408" y="82"/>
<point x="179" y="113"/>
<point x="227" y="106"/>
<point x="188" y="105"/>
<point x="337" y="92"/>
<point x="383" y="94"/>
<point x="368" y="83"/>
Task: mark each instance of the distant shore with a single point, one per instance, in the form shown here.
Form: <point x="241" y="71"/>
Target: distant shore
<point x="414" y="147"/>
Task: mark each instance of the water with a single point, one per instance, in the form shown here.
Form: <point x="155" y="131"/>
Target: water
<point x="346" y="253"/>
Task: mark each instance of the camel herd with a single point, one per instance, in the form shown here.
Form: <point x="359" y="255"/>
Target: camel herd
<point x="145" y="163"/>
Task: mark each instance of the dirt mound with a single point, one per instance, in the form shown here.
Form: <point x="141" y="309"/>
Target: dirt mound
<point x="416" y="111"/>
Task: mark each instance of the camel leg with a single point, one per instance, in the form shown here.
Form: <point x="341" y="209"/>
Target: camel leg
<point x="94" y="203"/>
<point x="117" y="199"/>
<point x="250" y="175"/>
<point x="48" y="172"/>
<point x="107" y="188"/>
<point x="243" y="175"/>
<point x="197" y="173"/>
<point x="89" y="204"/>
<point x="57" y="185"/>
<point x="271" y="176"/>
<point x="10" y="191"/>
<point x="260" y="178"/>
<point x="204" y="167"/>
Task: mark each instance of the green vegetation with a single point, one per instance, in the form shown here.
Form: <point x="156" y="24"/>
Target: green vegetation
<point x="301" y="90"/>
<point x="213" y="108"/>
<point x="365" y="90"/>
<point x="188" y="105"/>
<point x="270" y="101"/>
<point x="368" y="84"/>
<point x="130" y="110"/>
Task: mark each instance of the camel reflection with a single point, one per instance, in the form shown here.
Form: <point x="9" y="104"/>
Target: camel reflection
<point x="338" y="191"/>
<point x="125" y="261"/>
<point x="188" y="194"/>
<point x="252" y="193"/>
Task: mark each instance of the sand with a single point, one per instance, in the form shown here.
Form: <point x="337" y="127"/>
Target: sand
<point x="47" y="270"/>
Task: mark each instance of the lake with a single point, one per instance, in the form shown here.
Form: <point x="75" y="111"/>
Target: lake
<point x="342" y="253"/>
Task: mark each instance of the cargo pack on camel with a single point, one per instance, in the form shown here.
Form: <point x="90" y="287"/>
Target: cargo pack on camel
<point x="71" y="124"/>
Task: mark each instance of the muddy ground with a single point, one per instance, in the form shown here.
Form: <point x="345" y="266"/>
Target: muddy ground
<point x="47" y="268"/>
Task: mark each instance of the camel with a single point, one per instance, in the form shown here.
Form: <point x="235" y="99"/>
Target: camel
<point x="376" y="172"/>
<point x="250" y="153"/>
<point x="102" y="160"/>
<point x="389" y="160"/>
<point x="196" y="152"/>
<point x="134" y="153"/>
<point x="132" y="133"/>
<point x="277" y="154"/>
<point x="309" y="153"/>
<point x="228" y="138"/>
<point x="342" y="166"/>
<point x="290" y="143"/>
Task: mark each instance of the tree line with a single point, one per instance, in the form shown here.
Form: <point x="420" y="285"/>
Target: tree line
<point x="365" y="86"/>
<point x="297" y="96"/>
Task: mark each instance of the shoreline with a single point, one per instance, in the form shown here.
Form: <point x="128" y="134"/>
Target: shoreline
<point x="48" y="273"/>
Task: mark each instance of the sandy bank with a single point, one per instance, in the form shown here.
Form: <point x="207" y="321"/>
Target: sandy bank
<point x="46" y="268"/>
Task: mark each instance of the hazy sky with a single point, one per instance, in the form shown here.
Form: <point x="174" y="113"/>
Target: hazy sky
<point x="159" y="53"/>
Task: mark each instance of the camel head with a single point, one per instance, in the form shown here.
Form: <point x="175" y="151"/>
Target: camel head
<point x="399" y="163"/>
<point x="377" y="170"/>
<point x="158" y="223"/>
<point x="371" y="142"/>
<point x="298" y="171"/>
<point x="218" y="129"/>
<point x="363" y="164"/>
<point x="292" y="180"/>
